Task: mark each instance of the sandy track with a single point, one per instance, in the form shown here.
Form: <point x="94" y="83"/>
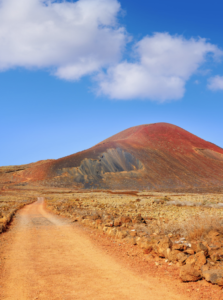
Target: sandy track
<point x="49" y="258"/>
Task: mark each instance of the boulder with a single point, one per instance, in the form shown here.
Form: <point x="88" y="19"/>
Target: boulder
<point x="198" y="260"/>
<point x="189" y="273"/>
<point x="214" y="276"/>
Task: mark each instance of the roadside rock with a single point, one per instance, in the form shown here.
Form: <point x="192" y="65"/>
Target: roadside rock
<point x="189" y="273"/>
<point x="173" y="255"/>
<point x="117" y="222"/>
<point x="125" y="219"/>
<point x="181" y="257"/>
<point x="214" y="276"/>
<point x="198" y="260"/>
<point x="162" y="245"/>
<point x="189" y="251"/>
<point x="200" y="247"/>
<point x="178" y="247"/>
<point x="121" y="234"/>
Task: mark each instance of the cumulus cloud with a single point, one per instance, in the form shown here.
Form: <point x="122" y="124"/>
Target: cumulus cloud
<point x="215" y="83"/>
<point x="72" y="38"/>
<point x="83" y="37"/>
<point x="163" y="66"/>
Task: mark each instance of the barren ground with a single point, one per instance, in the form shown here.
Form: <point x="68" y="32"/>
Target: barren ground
<point x="48" y="257"/>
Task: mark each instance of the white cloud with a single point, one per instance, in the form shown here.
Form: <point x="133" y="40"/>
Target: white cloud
<point x="215" y="83"/>
<point x="73" y="38"/>
<point x="164" y="65"/>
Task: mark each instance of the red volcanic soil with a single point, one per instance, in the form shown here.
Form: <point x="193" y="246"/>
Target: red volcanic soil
<point x="157" y="156"/>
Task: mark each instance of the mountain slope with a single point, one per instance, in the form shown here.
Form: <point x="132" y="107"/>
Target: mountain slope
<point x="155" y="156"/>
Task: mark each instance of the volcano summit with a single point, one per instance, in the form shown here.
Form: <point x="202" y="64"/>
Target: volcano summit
<point x="157" y="156"/>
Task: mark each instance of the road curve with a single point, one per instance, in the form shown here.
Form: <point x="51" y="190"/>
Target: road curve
<point x="48" y="258"/>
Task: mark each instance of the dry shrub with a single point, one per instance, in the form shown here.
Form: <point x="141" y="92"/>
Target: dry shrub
<point x="195" y="227"/>
<point x="184" y="203"/>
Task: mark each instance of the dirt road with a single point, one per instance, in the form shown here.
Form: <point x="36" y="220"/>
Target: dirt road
<point x="47" y="257"/>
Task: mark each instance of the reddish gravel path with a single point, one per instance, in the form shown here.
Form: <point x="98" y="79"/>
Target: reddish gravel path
<point x="47" y="257"/>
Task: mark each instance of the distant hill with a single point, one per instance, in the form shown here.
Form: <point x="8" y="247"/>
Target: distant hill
<point x="156" y="156"/>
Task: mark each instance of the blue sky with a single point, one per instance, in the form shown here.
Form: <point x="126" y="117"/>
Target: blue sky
<point x="66" y="87"/>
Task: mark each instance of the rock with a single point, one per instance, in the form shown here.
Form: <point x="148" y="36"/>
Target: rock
<point x="173" y="255"/>
<point x="214" y="276"/>
<point x="162" y="245"/>
<point x="206" y="267"/>
<point x="138" y="219"/>
<point x="215" y="256"/>
<point x="189" y="251"/>
<point x="181" y="257"/>
<point x="132" y="241"/>
<point x="133" y="233"/>
<point x="99" y="221"/>
<point x="117" y="222"/>
<point x="202" y="247"/>
<point x="105" y="229"/>
<point x="189" y="273"/>
<point x="198" y="260"/>
<point x="199" y="247"/>
<point x="94" y="217"/>
<point x="215" y="246"/>
<point x="178" y="247"/>
<point x="109" y="223"/>
<point x="111" y="231"/>
<point x="141" y="233"/>
<point x="121" y="234"/>
<point x="145" y="244"/>
<point x="148" y="250"/>
<point x="126" y="220"/>
<point x="167" y="253"/>
<point x="213" y="234"/>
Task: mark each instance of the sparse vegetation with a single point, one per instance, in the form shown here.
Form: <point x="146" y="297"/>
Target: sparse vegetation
<point x="10" y="202"/>
<point x="176" y="227"/>
<point x="183" y="229"/>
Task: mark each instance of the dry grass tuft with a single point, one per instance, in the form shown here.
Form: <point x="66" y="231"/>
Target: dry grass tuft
<point x="196" y="227"/>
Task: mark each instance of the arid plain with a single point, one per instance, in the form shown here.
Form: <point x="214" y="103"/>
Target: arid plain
<point x="138" y="216"/>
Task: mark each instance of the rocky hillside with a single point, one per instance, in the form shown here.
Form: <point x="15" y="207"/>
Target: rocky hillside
<point x="157" y="156"/>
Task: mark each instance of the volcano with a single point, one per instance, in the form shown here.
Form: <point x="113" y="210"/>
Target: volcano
<point x="156" y="156"/>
